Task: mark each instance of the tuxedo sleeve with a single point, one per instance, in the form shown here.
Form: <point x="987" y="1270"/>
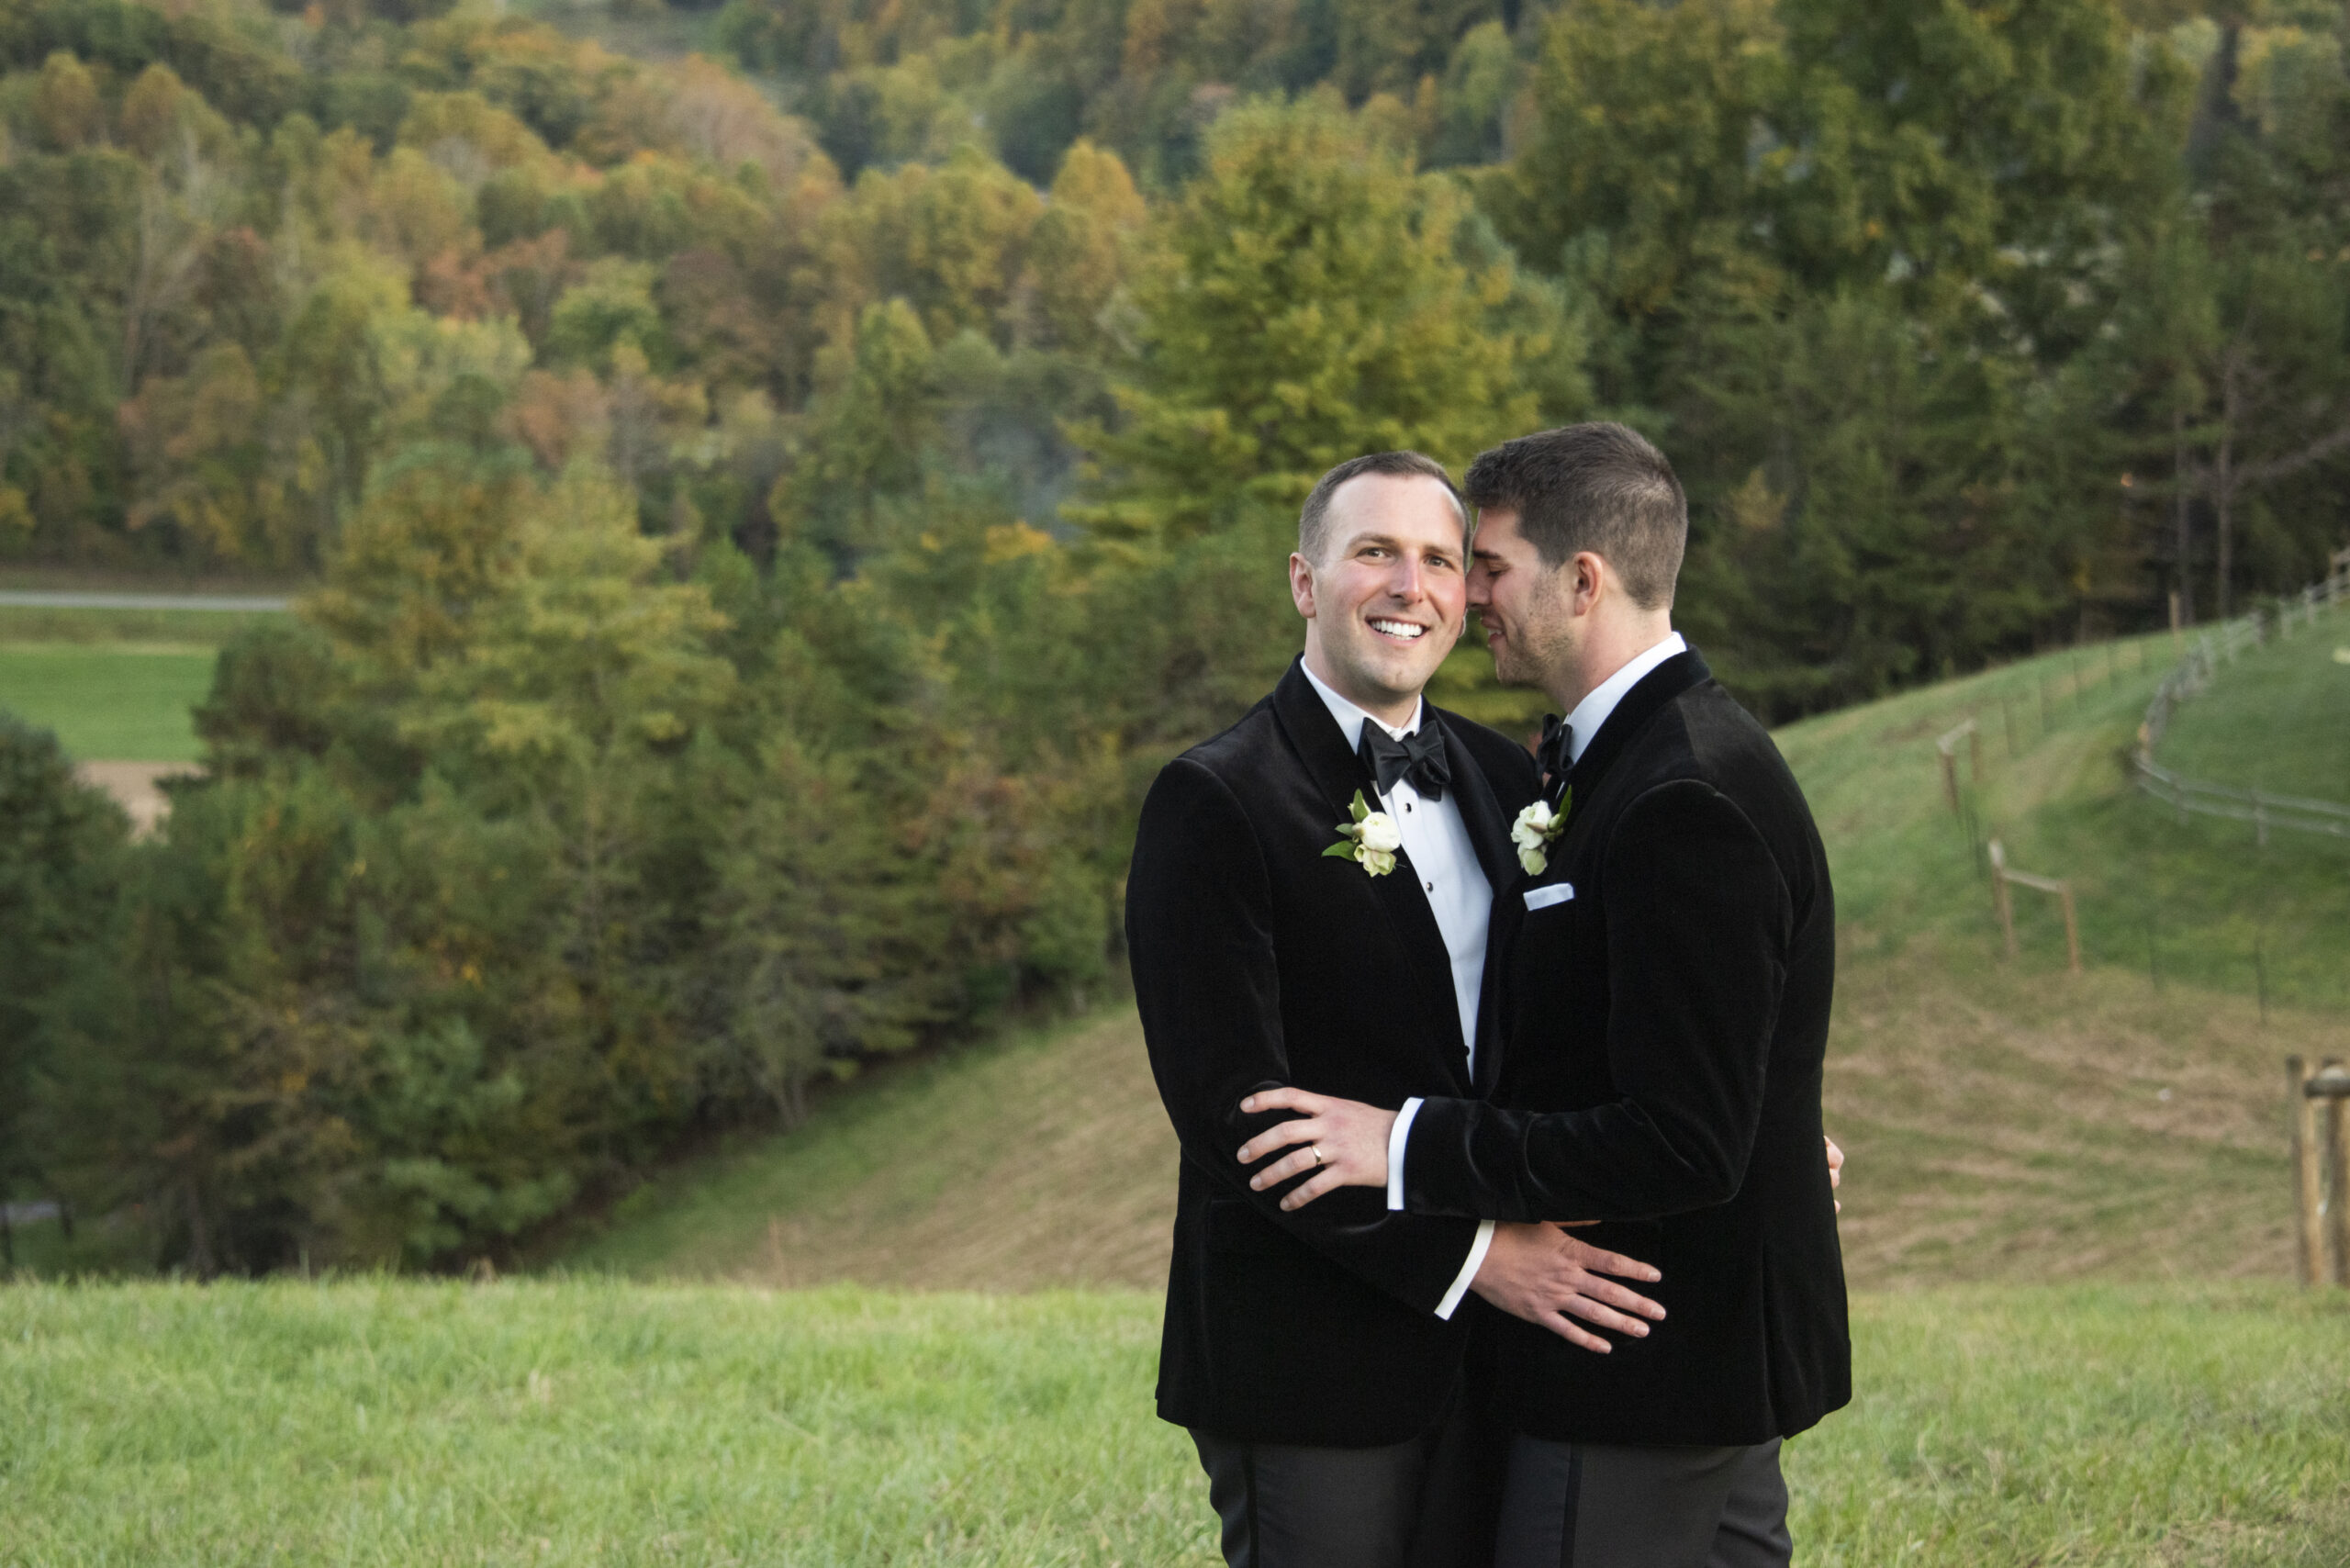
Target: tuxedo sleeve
<point x="1698" y="921"/>
<point x="1200" y="933"/>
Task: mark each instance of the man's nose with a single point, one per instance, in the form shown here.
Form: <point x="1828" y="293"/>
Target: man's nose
<point x="1408" y="582"/>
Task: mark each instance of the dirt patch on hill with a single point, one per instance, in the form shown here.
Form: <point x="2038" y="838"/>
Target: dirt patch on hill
<point x="137" y="787"/>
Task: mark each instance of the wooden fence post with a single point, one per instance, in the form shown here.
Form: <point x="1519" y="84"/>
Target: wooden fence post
<point x="2072" y="931"/>
<point x="2000" y="894"/>
<point x="1975" y="751"/>
<point x="1950" y="778"/>
<point x="2337" y="1155"/>
<point x="2310" y="1238"/>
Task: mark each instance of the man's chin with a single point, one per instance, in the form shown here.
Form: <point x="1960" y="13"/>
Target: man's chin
<point x="1509" y="669"/>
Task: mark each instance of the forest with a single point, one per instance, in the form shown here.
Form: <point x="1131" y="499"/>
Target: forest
<point x="770" y="514"/>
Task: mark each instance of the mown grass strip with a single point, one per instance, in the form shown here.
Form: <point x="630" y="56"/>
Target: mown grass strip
<point x="127" y="702"/>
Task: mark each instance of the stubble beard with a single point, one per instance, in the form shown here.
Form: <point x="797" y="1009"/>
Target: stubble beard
<point x="1537" y="643"/>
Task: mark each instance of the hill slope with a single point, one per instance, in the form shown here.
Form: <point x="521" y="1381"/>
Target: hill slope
<point x="2005" y="1120"/>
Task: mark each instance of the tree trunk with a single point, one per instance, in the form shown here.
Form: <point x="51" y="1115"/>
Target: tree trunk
<point x="2180" y="502"/>
<point x="2224" y="483"/>
<point x="199" y="1238"/>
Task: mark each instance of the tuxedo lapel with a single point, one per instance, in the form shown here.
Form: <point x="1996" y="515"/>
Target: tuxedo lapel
<point x="1648" y="696"/>
<point x="1337" y="773"/>
<point x="1479" y="811"/>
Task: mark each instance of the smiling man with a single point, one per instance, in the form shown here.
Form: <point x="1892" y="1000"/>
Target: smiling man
<point x="1308" y="905"/>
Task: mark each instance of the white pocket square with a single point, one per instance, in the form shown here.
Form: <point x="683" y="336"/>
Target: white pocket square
<point x="1543" y="898"/>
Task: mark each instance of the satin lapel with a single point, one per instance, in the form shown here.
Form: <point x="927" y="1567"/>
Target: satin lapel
<point x="1481" y="812"/>
<point x="1492" y="1004"/>
<point x="1338" y="773"/>
<point x="1650" y="693"/>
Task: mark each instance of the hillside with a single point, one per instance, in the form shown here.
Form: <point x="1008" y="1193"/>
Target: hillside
<point x="2004" y="1121"/>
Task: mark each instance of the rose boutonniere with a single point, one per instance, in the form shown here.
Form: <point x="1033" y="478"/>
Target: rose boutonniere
<point x="1537" y="828"/>
<point x="1371" y="839"/>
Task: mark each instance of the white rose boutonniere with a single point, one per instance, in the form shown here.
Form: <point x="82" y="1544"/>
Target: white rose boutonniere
<point x="1370" y="839"/>
<point x="1538" y="827"/>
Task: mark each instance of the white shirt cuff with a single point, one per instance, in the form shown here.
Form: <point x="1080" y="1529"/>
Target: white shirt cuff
<point x="1397" y="1137"/>
<point x="1477" y="1250"/>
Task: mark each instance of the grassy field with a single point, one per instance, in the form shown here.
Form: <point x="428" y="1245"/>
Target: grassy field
<point x="127" y="701"/>
<point x="114" y="684"/>
<point x="2283" y="719"/>
<point x="578" y="1422"/>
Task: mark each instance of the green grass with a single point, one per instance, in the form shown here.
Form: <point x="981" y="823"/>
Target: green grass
<point x="2278" y="718"/>
<point x="581" y="1422"/>
<point x="127" y="701"/>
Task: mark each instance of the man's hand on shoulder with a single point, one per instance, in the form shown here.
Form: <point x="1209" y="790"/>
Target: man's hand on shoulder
<point x="1343" y="1142"/>
<point x="1542" y="1274"/>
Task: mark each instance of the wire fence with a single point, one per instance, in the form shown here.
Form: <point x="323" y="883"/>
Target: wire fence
<point x="2222" y="645"/>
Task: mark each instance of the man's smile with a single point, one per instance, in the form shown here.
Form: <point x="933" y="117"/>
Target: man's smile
<point x="1398" y="630"/>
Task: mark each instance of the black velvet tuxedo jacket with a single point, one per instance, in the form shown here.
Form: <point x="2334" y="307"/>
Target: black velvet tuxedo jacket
<point x="1664" y="1027"/>
<point x="1259" y="961"/>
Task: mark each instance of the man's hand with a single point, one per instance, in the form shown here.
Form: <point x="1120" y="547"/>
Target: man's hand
<point x="1835" y="1169"/>
<point x="1346" y="1139"/>
<point x="1541" y="1273"/>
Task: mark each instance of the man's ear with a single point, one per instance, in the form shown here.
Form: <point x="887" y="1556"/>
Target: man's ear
<point x="1301" y="584"/>
<point x="1590" y="578"/>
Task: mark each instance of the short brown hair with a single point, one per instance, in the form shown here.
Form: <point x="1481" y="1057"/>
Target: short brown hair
<point x="1598" y="487"/>
<point x="1313" y="523"/>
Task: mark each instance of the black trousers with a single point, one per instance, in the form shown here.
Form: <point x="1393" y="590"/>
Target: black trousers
<point x="1429" y="1503"/>
<point x="1604" y="1505"/>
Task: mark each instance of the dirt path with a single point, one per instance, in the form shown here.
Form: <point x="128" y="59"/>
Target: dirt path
<point x="135" y="787"/>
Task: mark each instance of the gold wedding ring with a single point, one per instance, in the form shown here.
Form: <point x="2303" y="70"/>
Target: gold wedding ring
<point x="1316" y="1149"/>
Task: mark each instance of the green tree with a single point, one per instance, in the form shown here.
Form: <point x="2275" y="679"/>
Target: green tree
<point x="61" y="849"/>
<point x="1305" y="300"/>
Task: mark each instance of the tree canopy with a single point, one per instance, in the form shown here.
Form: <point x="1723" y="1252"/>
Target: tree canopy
<point x="767" y="517"/>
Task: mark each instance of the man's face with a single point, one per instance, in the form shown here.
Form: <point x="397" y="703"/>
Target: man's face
<point x="1525" y="607"/>
<point x="1387" y="600"/>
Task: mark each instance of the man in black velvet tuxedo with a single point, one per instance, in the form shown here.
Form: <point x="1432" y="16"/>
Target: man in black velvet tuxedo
<point x="1309" y="904"/>
<point x="1670" y="957"/>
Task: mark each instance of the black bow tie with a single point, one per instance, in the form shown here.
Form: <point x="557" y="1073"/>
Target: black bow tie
<point x="1418" y="758"/>
<point x="1554" y="755"/>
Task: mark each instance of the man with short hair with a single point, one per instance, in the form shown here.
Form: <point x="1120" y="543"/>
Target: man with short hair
<point x="1308" y="903"/>
<point x="1666" y="999"/>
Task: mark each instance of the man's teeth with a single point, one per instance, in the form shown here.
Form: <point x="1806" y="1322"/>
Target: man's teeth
<point x="1402" y="629"/>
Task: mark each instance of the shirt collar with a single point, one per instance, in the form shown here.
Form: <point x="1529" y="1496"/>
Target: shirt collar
<point x="1593" y="710"/>
<point x="1351" y="719"/>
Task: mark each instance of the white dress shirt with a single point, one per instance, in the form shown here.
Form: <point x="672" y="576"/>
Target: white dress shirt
<point x="1444" y="858"/>
<point x="1589" y="715"/>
